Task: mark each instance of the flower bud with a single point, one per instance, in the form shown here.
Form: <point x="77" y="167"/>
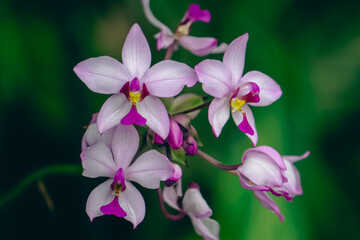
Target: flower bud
<point x="175" y="176"/>
<point x="190" y="145"/>
<point x="175" y="138"/>
<point x="158" y="139"/>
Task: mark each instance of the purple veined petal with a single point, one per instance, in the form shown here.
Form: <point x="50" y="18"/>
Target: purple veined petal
<point x="97" y="161"/>
<point x="100" y="196"/>
<point x="172" y="194"/>
<point x="114" y="109"/>
<point x="149" y="169"/>
<point x="102" y="74"/>
<point x="234" y="56"/>
<point x="151" y="18"/>
<point x="200" y="46"/>
<point x="157" y="118"/>
<point x="194" y="204"/>
<point x="136" y="53"/>
<point x="219" y="113"/>
<point x="206" y="227"/>
<point x="270" y="91"/>
<point x="125" y="144"/>
<point x="215" y="78"/>
<point x="296" y="158"/>
<point x="268" y="203"/>
<point x="167" y="78"/>
<point x="133" y="204"/>
<point x="269" y="151"/>
<point x="248" y="124"/>
<point x="195" y="13"/>
<point x="164" y="40"/>
<point x="220" y="49"/>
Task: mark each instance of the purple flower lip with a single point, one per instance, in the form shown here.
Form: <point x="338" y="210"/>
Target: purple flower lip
<point x="118" y="184"/>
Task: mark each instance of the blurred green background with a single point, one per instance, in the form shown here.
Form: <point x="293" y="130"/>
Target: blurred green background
<point x="311" y="48"/>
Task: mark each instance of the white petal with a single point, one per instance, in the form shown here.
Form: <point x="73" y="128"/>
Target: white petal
<point x="200" y="46"/>
<point x="206" y="227"/>
<point x="97" y="161"/>
<point x="167" y="78"/>
<point x="238" y="117"/>
<point x="157" y="118"/>
<point x="194" y="203"/>
<point x="172" y="194"/>
<point x="136" y="53"/>
<point x="113" y="110"/>
<point x="234" y="56"/>
<point x="149" y="169"/>
<point x="92" y="136"/>
<point x="133" y="204"/>
<point x="125" y="144"/>
<point x="102" y="74"/>
<point x="215" y="78"/>
<point x="219" y="113"/>
<point x="100" y="196"/>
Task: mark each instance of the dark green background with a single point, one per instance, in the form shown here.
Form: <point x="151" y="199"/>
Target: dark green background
<point x="311" y="48"/>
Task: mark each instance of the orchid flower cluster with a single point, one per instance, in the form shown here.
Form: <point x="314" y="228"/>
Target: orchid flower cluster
<point x="144" y="110"/>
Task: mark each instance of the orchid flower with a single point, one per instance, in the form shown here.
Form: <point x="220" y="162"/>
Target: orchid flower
<point x="118" y="196"/>
<point x="268" y="203"/>
<point x="199" y="46"/>
<point x="224" y="81"/>
<point x="135" y="86"/>
<point x="195" y="206"/>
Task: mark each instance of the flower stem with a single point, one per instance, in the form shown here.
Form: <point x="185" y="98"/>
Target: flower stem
<point x="194" y="108"/>
<point x="168" y="215"/>
<point x="216" y="163"/>
<point x="63" y="169"/>
<point x="170" y="51"/>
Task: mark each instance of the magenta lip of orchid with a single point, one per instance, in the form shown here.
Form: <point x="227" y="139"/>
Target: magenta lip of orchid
<point x="135" y="86"/>
<point x="232" y="91"/>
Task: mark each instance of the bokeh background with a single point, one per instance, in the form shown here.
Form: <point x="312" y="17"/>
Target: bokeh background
<point x="311" y="48"/>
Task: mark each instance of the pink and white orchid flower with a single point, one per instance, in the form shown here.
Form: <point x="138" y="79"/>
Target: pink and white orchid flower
<point x="118" y="196"/>
<point x="199" y="46"/>
<point x="224" y="81"/>
<point x="195" y="206"/>
<point x="136" y="86"/>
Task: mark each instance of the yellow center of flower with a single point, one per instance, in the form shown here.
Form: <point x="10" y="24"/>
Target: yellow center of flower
<point x="118" y="188"/>
<point x="183" y="30"/>
<point x="134" y="97"/>
<point x="236" y="104"/>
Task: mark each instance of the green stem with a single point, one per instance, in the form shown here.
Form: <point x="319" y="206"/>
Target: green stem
<point x="63" y="169"/>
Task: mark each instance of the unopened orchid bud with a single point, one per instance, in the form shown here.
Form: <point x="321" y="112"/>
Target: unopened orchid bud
<point x="190" y="145"/>
<point x="175" y="176"/>
<point x="262" y="169"/>
<point x="158" y="139"/>
<point x="175" y="138"/>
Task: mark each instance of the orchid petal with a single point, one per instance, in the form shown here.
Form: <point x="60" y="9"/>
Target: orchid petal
<point x="200" y="46"/>
<point x="268" y="203"/>
<point x="172" y="194"/>
<point x="293" y="185"/>
<point x="133" y="204"/>
<point x="136" y="54"/>
<point x="270" y="91"/>
<point x="100" y="196"/>
<point x="219" y="113"/>
<point x="167" y="78"/>
<point x="220" y="49"/>
<point x="215" y="78"/>
<point x="195" y="13"/>
<point x="149" y="169"/>
<point x="270" y="152"/>
<point x="114" y="109"/>
<point x="238" y="119"/>
<point x="102" y="74"/>
<point x="92" y="136"/>
<point x="296" y="158"/>
<point x="154" y="111"/>
<point x="154" y="21"/>
<point x="97" y="161"/>
<point x="206" y="227"/>
<point x="194" y="203"/>
<point x="234" y="56"/>
<point x="125" y="144"/>
<point x="164" y="40"/>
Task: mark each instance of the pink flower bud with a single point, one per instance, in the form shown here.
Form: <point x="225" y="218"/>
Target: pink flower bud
<point x="190" y="145"/>
<point x="175" y="176"/>
<point x="175" y="138"/>
<point x="158" y="139"/>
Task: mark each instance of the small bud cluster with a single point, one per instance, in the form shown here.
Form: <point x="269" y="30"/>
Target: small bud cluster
<point x="144" y="97"/>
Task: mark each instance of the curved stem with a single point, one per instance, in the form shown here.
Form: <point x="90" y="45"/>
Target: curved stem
<point x="168" y="215"/>
<point x="194" y="108"/>
<point x="63" y="169"/>
<point x="216" y="163"/>
<point x="170" y="51"/>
